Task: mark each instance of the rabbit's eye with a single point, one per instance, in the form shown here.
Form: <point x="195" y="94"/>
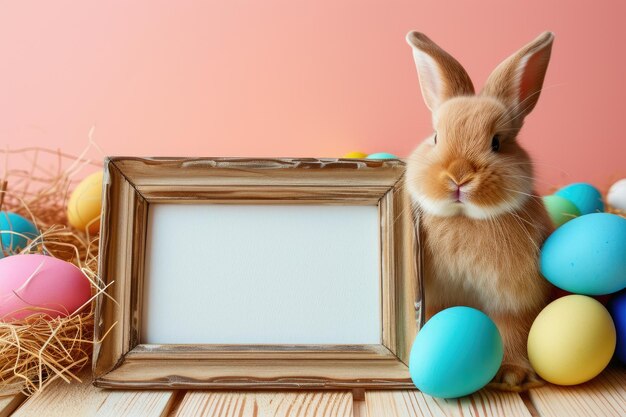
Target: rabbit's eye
<point x="495" y="143"/>
<point x="435" y="139"/>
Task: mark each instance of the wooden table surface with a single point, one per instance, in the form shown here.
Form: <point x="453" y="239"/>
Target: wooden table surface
<point x="605" y="396"/>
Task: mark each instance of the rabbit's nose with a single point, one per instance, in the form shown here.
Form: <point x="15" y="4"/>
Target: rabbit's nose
<point x="460" y="172"/>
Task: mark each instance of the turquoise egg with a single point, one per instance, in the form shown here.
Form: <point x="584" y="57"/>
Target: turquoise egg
<point x="587" y="255"/>
<point x="584" y="196"/>
<point x="457" y="352"/>
<point x="381" y="155"/>
<point x="16" y="223"/>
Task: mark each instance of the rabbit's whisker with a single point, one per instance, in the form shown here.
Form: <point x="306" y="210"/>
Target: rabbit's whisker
<point x="523" y="193"/>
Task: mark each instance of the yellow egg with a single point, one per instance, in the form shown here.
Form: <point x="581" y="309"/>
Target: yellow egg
<point x="355" y="155"/>
<point x="85" y="203"/>
<point x="572" y="340"/>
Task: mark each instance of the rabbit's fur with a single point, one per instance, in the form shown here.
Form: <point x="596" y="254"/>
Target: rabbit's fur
<point x="472" y="185"/>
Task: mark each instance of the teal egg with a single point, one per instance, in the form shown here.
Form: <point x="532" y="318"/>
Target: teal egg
<point x="584" y="196"/>
<point x="457" y="352"/>
<point x="587" y="255"/>
<point x="381" y="155"/>
<point x="16" y="223"/>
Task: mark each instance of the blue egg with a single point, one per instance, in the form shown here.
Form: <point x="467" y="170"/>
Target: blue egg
<point x="16" y="223"/>
<point x="585" y="197"/>
<point x="381" y="155"/>
<point x="457" y="352"/>
<point x="587" y="255"/>
<point x="617" y="307"/>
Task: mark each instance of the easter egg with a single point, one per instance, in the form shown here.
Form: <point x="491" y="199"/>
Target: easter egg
<point x="572" y="340"/>
<point x="584" y="196"/>
<point x="617" y="308"/>
<point x="11" y="222"/>
<point x="560" y="209"/>
<point x="587" y="255"/>
<point x="381" y="155"/>
<point x="85" y="203"/>
<point x="457" y="352"/>
<point x="617" y="195"/>
<point x="355" y="155"/>
<point x="34" y="283"/>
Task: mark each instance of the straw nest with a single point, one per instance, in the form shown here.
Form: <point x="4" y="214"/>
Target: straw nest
<point x="37" y="350"/>
<point x="616" y="211"/>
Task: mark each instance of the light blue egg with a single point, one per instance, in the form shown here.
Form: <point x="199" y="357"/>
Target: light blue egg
<point x="381" y="155"/>
<point x="16" y="223"/>
<point x="587" y="255"/>
<point x="584" y="196"/>
<point x="457" y="352"/>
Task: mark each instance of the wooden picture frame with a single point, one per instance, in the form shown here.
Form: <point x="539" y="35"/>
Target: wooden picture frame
<point x="132" y="185"/>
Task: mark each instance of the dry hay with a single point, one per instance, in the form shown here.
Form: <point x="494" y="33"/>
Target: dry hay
<point x="37" y="350"/>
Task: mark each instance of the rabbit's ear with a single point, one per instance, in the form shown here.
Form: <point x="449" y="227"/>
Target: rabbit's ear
<point x="517" y="81"/>
<point x="441" y="76"/>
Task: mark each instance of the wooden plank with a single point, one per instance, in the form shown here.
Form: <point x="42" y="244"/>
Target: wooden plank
<point x="63" y="399"/>
<point x="136" y="403"/>
<point x="604" y="396"/>
<point x="266" y="404"/>
<point x="9" y="403"/>
<point x="359" y="408"/>
<point x="83" y="399"/>
<point x="415" y="403"/>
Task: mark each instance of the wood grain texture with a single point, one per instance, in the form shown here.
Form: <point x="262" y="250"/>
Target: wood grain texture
<point x="603" y="396"/>
<point x="136" y="404"/>
<point x="258" y="374"/>
<point x="417" y="404"/>
<point x="271" y="404"/>
<point x="400" y="258"/>
<point x="275" y="352"/>
<point x="359" y="408"/>
<point x="114" y="309"/>
<point x="9" y="403"/>
<point x="61" y="399"/>
<point x="132" y="184"/>
<point x="80" y="399"/>
<point x="259" y="171"/>
<point x="236" y="194"/>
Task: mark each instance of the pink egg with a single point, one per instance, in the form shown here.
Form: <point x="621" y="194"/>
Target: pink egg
<point x="30" y="283"/>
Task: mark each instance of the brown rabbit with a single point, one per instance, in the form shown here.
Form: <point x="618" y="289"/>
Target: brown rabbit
<point x="472" y="185"/>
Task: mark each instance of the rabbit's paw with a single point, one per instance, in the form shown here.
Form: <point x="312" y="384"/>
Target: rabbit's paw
<point x="516" y="378"/>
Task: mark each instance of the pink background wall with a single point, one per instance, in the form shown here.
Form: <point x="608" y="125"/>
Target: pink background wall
<point x="299" y="78"/>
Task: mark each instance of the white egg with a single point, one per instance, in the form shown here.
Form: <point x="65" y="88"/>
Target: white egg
<point x="617" y="195"/>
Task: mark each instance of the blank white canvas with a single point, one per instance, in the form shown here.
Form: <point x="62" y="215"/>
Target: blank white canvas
<point x="262" y="274"/>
